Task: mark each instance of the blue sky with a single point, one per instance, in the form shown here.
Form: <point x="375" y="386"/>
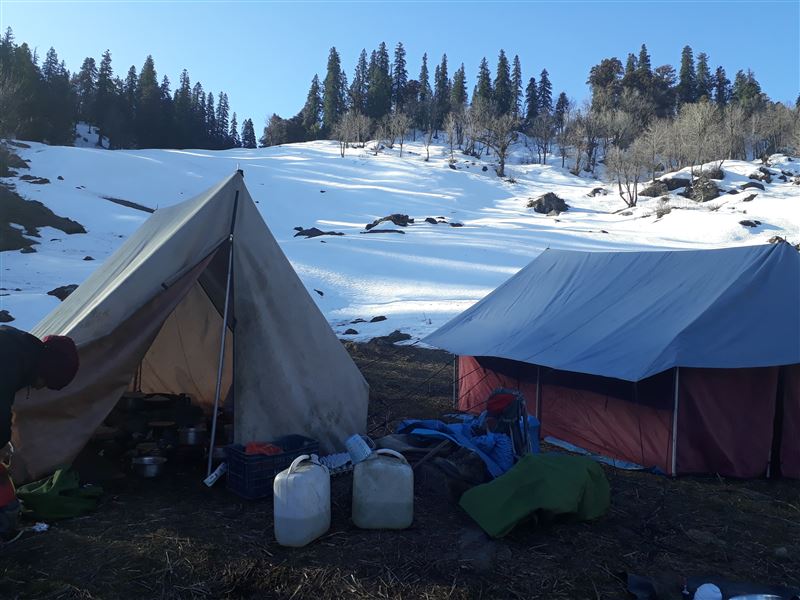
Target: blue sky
<point x="264" y="54"/>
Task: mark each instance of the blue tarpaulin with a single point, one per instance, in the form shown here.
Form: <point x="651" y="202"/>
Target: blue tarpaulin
<point x="630" y="315"/>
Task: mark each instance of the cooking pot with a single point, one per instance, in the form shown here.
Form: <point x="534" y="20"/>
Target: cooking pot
<point x="149" y="466"/>
<point x="192" y="436"/>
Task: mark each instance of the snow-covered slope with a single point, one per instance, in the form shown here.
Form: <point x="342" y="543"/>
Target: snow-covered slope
<point x="417" y="279"/>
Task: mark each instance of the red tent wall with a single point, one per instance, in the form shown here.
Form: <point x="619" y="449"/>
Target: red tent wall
<point x="725" y="421"/>
<point x="631" y="422"/>
<point x="725" y="416"/>
<point x="790" y="439"/>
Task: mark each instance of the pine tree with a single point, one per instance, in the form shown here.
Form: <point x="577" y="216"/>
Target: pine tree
<point x="425" y="92"/>
<point x="58" y="103"/>
<point x="687" y="78"/>
<point x="644" y="67"/>
<point x="705" y="81"/>
<point x="379" y="91"/>
<point x="503" y="94"/>
<point x="86" y="89"/>
<point x="644" y="73"/>
<point x="312" y="111"/>
<point x="210" y="138"/>
<point x="424" y="97"/>
<point x="399" y="77"/>
<point x="104" y="98"/>
<point x="516" y="87"/>
<point x="167" y="115"/>
<point x="630" y="79"/>
<point x="199" y="119"/>
<point x="562" y="108"/>
<point x="223" y="110"/>
<point x="531" y="101"/>
<point x="746" y="92"/>
<point x="233" y="134"/>
<point x="545" y="94"/>
<point x="482" y="94"/>
<point x="722" y="87"/>
<point x="182" y="102"/>
<point x="248" y="134"/>
<point x="333" y="92"/>
<point x="458" y="92"/>
<point x="441" y="93"/>
<point x="358" y="87"/>
<point x="148" y="105"/>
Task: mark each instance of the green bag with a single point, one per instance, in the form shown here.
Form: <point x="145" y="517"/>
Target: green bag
<point x="540" y="487"/>
<point x="59" y="496"/>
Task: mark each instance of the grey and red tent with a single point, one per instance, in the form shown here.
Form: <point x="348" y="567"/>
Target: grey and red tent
<point x="688" y="361"/>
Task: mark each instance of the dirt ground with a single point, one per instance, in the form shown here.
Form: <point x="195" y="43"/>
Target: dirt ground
<point x="174" y="538"/>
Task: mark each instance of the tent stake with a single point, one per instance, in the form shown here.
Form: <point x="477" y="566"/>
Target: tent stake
<point x="675" y="421"/>
<point x="222" y="336"/>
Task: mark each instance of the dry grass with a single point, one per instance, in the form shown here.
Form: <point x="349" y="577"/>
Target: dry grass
<point x="175" y="539"/>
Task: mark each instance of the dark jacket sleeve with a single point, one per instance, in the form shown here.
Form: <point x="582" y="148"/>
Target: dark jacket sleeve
<point x="19" y="356"/>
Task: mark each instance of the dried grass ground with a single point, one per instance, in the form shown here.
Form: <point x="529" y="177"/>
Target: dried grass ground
<point x="173" y="538"/>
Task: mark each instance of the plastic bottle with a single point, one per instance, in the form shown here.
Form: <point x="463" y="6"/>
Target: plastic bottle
<point x="302" y="501"/>
<point x="383" y="491"/>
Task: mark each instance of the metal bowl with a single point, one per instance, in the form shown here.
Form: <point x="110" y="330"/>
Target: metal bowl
<point x="192" y="436"/>
<point x="148" y="466"/>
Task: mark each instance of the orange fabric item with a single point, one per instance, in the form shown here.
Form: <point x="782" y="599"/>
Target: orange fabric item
<point x="262" y="448"/>
<point x="7" y="492"/>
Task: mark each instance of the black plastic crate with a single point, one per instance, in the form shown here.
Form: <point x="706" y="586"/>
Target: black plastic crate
<point x="250" y="475"/>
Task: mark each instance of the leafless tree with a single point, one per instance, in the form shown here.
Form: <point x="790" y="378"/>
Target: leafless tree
<point x="542" y="131"/>
<point x="699" y="127"/>
<point x="451" y="129"/>
<point x="399" y="123"/>
<point x="498" y="134"/>
<point x="627" y="167"/>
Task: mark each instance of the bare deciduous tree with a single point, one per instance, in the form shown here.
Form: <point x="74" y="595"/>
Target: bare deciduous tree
<point x="627" y="167"/>
<point x="451" y="129"/>
<point x="399" y="124"/>
<point x="498" y="134"/>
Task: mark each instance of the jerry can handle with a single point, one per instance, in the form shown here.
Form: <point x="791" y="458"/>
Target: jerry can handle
<point x="392" y="453"/>
<point x="297" y="461"/>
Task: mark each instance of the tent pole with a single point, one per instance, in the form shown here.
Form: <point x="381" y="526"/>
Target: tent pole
<point x="455" y="380"/>
<point x="538" y="394"/>
<point x="675" y="421"/>
<point x="222" y="337"/>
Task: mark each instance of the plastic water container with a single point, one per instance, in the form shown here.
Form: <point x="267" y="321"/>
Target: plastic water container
<point x="383" y="491"/>
<point x="302" y="503"/>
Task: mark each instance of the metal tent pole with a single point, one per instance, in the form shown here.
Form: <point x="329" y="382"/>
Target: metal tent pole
<point x="675" y="421"/>
<point x="222" y="338"/>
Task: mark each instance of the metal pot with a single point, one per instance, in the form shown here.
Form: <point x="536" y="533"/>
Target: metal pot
<point x="192" y="436"/>
<point x="149" y="466"/>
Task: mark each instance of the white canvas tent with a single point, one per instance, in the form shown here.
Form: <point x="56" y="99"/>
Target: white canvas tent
<point x="158" y="302"/>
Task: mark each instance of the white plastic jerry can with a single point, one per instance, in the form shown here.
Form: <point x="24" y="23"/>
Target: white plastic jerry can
<point x="383" y="491"/>
<point x="302" y="501"/>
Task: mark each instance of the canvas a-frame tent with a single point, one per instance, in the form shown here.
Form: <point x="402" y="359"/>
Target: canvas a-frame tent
<point x="688" y="361"/>
<point x="155" y="307"/>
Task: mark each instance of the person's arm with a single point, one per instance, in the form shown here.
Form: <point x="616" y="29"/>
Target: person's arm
<point x="6" y="402"/>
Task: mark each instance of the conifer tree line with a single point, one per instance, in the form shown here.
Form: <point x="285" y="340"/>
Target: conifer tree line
<point x="628" y="102"/>
<point x="642" y="121"/>
<point x="43" y="102"/>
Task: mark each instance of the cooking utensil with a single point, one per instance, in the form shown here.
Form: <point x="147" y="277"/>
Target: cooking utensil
<point x="192" y="436"/>
<point x="148" y="466"/>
